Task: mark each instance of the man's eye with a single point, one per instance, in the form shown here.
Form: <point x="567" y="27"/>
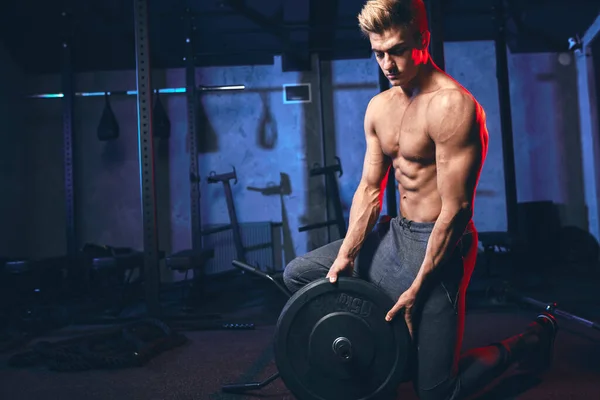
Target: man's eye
<point x="378" y="54"/>
<point x="399" y="51"/>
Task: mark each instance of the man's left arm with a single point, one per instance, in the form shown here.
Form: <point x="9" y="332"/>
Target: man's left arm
<point x="457" y="127"/>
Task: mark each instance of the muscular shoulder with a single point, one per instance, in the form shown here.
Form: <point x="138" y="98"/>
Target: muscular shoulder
<point x="376" y="103"/>
<point x="373" y="109"/>
<point x="384" y="103"/>
<point x="452" y="111"/>
<point x="452" y="102"/>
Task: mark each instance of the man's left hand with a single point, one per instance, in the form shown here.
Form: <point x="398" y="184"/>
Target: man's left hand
<point x="405" y="303"/>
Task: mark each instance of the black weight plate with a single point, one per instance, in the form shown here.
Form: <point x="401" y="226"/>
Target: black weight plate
<point x="332" y="342"/>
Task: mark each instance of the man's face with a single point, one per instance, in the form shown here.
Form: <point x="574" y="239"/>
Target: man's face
<point x="399" y="52"/>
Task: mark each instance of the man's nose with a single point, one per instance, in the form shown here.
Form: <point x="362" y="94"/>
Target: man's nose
<point x="388" y="63"/>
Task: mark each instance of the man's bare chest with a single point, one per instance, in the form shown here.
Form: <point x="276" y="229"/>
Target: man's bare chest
<point x="403" y="133"/>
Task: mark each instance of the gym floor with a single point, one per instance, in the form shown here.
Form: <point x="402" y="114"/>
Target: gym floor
<point x="212" y="358"/>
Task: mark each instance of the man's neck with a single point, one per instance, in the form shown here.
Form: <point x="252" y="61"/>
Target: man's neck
<point x="423" y="82"/>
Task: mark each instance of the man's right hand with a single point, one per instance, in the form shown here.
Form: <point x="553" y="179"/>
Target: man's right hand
<point x="341" y="265"/>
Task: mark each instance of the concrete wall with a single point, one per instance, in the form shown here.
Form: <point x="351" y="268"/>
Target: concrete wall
<point x="265" y="139"/>
<point x="589" y="132"/>
<point x="13" y="183"/>
<point x="546" y="133"/>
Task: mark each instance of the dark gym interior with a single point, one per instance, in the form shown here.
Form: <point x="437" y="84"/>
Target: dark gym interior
<point x="163" y="161"/>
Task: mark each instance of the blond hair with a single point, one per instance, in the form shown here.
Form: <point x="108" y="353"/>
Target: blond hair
<point x="378" y="16"/>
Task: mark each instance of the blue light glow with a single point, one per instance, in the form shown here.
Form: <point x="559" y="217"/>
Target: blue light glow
<point x="48" y="96"/>
<point x="90" y="94"/>
<point x="172" y="90"/>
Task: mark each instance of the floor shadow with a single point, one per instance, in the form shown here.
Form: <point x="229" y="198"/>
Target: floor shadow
<point x="511" y="387"/>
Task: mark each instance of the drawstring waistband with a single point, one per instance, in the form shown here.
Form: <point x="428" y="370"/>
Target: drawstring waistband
<point x="405" y="223"/>
<point x="425" y="227"/>
<point x="412" y="226"/>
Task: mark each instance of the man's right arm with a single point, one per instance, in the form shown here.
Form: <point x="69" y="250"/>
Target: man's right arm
<point x="367" y="200"/>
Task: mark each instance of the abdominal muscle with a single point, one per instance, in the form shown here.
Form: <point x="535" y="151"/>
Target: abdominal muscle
<point x="417" y="186"/>
<point x="401" y="128"/>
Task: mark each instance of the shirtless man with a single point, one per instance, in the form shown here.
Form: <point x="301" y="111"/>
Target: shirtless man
<point x="433" y="133"/>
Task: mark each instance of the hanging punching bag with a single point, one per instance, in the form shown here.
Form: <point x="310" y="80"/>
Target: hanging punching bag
<point x="160" y="120"/>
<point x="267" y="127"/>
<point x="108" y="129"/>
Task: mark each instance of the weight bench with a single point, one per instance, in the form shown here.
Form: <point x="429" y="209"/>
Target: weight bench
<point x="495" y="245"/>
<point x="112" y="270"/>
<point x="184" y="262"/>
<point x="189" y="260"/>
<point x="30" y="292"/>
